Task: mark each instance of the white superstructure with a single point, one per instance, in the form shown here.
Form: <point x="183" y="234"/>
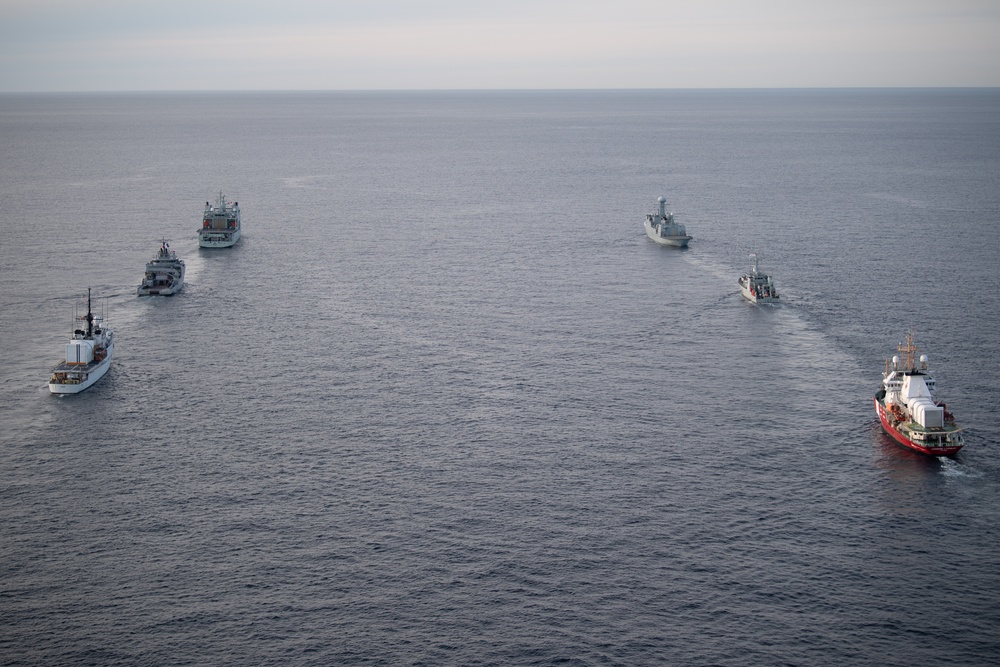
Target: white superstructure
<point x="757" y="286"/>
<point x="662" y="228"/>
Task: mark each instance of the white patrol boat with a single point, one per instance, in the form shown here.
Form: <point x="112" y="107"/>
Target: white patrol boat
<point x="756" y="286"/>
<point x="88" y="355"/>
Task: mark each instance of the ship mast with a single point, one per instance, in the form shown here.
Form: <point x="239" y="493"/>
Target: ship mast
<point x="909" y="350"/>
<point x="90" y="317"/>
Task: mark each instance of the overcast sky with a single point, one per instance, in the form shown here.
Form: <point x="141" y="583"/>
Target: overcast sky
<point x="102" y="45"/>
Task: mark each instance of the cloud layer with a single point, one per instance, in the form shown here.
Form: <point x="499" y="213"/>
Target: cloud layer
<point x="58" y="45"/>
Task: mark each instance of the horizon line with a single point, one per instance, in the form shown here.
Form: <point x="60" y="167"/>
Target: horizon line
<point x="478" y="90"/>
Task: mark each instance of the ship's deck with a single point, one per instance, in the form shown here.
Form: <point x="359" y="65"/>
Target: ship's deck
<point x="66" y="367"/>
<point x="914" y="427"/>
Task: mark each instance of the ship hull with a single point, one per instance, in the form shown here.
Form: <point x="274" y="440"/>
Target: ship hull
<point x="166" y="290"/>
<point x="909" y="443"/>
<point x="219" y="240"/>
<point x="163" y="290"/>
<point x="671" y="241"/>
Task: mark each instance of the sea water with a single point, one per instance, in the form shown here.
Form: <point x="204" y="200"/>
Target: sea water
<point x="444" y="403"/>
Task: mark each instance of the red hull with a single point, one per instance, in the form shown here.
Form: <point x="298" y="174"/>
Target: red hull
<point x="906" y="442"/>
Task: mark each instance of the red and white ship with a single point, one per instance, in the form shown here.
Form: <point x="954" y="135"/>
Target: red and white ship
<point x="907" y="408"/>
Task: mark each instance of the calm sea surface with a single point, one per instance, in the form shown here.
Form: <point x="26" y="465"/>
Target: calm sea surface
<point x="445" y="404"/>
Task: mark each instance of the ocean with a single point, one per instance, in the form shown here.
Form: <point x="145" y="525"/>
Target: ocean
<point x="446" y="404"/>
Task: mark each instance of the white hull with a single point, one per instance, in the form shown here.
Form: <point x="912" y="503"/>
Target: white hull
<point x="679" y="241"/>
<point x="93" y="373"/>
<point x="160" y="291"/>
<point x="214" y="239"/>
